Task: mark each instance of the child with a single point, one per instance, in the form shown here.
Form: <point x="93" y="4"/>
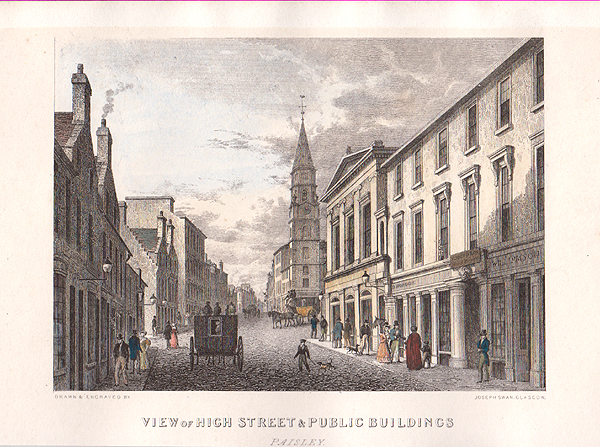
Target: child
<point x="302" y="354"/>
<point x="426" y="355"/>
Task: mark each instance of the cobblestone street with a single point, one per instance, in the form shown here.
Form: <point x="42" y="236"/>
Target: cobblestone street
<point x="269" y="365"/>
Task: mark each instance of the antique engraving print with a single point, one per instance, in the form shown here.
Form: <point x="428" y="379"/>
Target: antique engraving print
<point x="290" y="214"/>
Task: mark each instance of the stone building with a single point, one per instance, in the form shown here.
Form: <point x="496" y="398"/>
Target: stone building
<point x="298" y="265"/>
<point x="245" y="297"/>
<point x="463" y="225"/>
<point x="198" y="279"/>
<point x="90" y="257"/>
<point x="356" y="199"/>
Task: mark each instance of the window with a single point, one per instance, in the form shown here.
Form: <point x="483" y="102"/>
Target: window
<point x="304" y="195"/>
<point x="305" y="232"/>
<point x="472" y="215"/>
<point x="504" y="204"/>
<point x="539" y="77"/>
<point x="540" y="187"/>
<point x="350" y="239"/>
<point x="92" y="323"/>
<point x="381" y="238"/>
<point x="443" y="225"/>
<point x="91" y="180"/>
<point x="305" y="254"/>
<point x="399" y="245"/>
<point x="367" y="230"/>
<point x="444" y="320"/>
<point x="418" y="237"/>
<point x="504" y="103"/>
<point x="78" y="229"/>
<point x="472" y="127"/>
<point x="90" y="239"/>
<point x="335" y="245"/>
<point x="68" y="211"/>
<point x="59" y="322"/>
<point x="418" y="174"/>
<point x="305" y="283"/>
<point x="305" y="270"/>
<point x="498" y="322"/>
<point x="399" y="179"/>
<point x="443" y="148"/>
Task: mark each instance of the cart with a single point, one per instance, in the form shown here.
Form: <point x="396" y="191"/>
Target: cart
<point x="216" y="336"/>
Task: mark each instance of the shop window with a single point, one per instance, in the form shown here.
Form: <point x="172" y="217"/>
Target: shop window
<point x="444" y="320"/>
<point x="498" y="333"/>
<point x="59" y="322"/>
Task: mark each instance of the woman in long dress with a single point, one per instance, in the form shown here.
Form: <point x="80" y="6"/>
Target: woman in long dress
<point x="144" y="344"/>
<point x="174" y="339"/>
<point x="383" y="352"/>
<point x="413" y="350"/>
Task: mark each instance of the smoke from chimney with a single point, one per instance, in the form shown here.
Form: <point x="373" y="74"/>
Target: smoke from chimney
<point x="110" y="97"/>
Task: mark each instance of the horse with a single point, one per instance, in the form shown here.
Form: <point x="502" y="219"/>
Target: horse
<point x="277" y="318"/>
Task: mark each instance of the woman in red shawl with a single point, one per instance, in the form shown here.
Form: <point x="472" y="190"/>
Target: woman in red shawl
<point x="413" y="350"/>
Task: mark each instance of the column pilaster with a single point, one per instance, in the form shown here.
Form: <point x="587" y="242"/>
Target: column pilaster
<point x="458" y="357"/>
<point x="434" y="327"/>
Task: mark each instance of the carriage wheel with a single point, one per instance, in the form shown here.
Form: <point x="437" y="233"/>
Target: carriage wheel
<point x="238" y="358"/>
<point x="191" y="353"/>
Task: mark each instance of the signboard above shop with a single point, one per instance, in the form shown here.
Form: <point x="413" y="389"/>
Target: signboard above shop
<point x="465" y="258"/>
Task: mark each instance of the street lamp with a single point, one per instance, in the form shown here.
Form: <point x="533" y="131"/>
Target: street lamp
<point x="365" y="279"/>
<point x="152" y="299"/>
<point x="320" y="301"/>
<point x="106" y="268"/>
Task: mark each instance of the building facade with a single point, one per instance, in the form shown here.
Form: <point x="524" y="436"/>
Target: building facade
<point x="91" y="303"/>
<point x="357" y="214"/>
<point x="463" y="228"/>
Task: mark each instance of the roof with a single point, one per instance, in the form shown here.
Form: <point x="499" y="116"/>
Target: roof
<point x="346" y="164"/>
<point x="302" y="158"/>
<point x="148" y="237"/>
<point x="63" y="126"/>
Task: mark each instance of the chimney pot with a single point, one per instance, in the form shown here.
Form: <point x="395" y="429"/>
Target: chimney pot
<point x="79" y="68"/>
<point x="103" y="122"/>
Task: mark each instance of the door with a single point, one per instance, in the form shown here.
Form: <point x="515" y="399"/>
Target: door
<point x="351" y="315"/>
<point x="472" y="324"/>
<point x="425" y="330"/>
<point x="72" y="320"/>
<point x="80" y="360"/>
<point x="523" y="330"/>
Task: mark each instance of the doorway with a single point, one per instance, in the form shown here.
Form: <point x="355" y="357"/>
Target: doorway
<point x="472" y="324"/>
<point x="523" y="330"/>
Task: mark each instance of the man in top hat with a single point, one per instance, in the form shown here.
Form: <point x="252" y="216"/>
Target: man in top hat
<point x="302" y="354"/>
<point x="365" y="335"/>
<point x="207" y="310"/>
<point x="121" y="354"/>
<point x="167" y="333"/>
<point x="483" y="346"/>
<point x="134" y="350"/>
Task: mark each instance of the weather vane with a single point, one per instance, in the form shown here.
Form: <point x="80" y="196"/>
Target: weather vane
<point x="302" y="106"/>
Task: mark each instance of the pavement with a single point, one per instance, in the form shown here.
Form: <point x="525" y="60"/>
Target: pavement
<point x="438" y="377"/>
<point x="269" y="365"/>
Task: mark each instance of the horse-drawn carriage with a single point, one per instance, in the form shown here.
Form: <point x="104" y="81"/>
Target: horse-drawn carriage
<point x="216" y="336"/>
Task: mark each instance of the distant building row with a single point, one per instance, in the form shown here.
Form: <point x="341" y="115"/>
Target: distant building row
<point x="117" y="265"/>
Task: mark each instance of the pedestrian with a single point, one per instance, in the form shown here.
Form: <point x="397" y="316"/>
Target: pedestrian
<point x="365" y="335"/>
<point x="383" y="351"/>
<point x="302" y="355"/>
<point x="323" y="324"/>
<point x="217" y="310"/>
<point x="121" y="354"/>
<point x="483" y="346"/>
<point x="426" y="355"/>
<point x="154" y="326"/>
<point x="337" y="333"/>
<point x="395" y="337"/>
<point x="230" y="310"/>
<point x="313" y="326"/>
<point x="167" y="333"/>
<point x="347" y="333"/>
<point x="207" y="310"/>
<point x="174" y="339"/>
<point x="144" y="345"/>
<point x="134" y="350"/>
<point x="413" y="350"/>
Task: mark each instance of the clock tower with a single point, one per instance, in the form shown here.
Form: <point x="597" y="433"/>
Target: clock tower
<point x="305" y="255"/>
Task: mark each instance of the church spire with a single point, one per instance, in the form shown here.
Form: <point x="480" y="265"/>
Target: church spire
<point x="303" y="158"/>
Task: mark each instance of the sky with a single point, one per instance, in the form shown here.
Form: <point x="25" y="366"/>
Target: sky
<point x="214" y="123"/>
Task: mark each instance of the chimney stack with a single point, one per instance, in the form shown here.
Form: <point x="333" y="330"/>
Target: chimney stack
<point x="104" y="144"/>
<point x="82" y="91"/>
<point x="123" y="209"/>
<point x="161" y="224"/>
<point x="170" y="230"/>
<point x="221" y="266"/>
<point x="378" y="143"/>
<point x="348" y="150"/>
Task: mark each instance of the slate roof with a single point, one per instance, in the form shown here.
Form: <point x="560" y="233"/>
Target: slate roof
<point x="148" y="237"/>
<point x="63" y="126"/>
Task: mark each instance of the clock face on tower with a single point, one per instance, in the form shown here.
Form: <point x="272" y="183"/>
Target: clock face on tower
<point x="306" y="209"/>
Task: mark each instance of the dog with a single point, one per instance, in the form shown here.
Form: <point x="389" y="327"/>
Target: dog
<point x="354" y="350"/>
<point x="323" y="367"/>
